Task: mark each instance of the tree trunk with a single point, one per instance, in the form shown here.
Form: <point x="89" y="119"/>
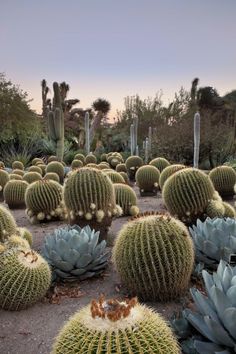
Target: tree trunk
<point x="95" y="125"/>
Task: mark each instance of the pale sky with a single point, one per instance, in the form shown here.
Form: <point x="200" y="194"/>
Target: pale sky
<point x="115" y="48"/>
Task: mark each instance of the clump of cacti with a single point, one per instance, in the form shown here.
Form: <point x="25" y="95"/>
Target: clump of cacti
<point x="147" y="179"/>
<point x="90" y="159"/>
<point x="90" y="199"/>
<point x="132" y="165"/>
<point x="18" y="165"/>
<point x="44" y="201"/>
<point x="35" y="169"/>
<point x="74" y="253"/>
<point x="160" y="163"/>
<point x="121" y="167"/>
<point x="169" y="171"/>
<point x="114" y="176"/>
<point x="80" y="157"/>
<point x="114" y="159"/>
<point x="14" y="194"/>
<point x="112" y="326"/>
<point x="186" y="194"/>
<point x="224" y="179"/>
<point x="31" y="177"/>
<point x="7" y="224"/>
<point x="154" y="257"/>
<point x="4" y="178"/>
<point x="18" y="172"/>
<point x="76" y="164"/>
<point x="53" y="176"/>
<point x="126" y="199"/>
<point x="24" y="278"/>
<point x="56" y="167"/>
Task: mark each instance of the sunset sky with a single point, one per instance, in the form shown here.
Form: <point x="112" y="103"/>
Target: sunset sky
<point x="115" y="48"/>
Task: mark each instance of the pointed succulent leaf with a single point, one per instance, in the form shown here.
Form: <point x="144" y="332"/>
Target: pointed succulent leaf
<point x="93" y="243"/>
<point x="229" y="321"/>
<point x="203" y="304"/>
<point x="226" y="279"/>
<point x="208" y="348"/>
<point x="84" y="260"/>
<point x="61" y="274"/>
<point x="220" y="334"/>
<point x="208" y="281"/>
<point x="63" y="265"/>
<point x="73" y="256"/>
<point x="197" y="321"/>
<point x="78" y="271"/>
<point x="220" y="300"/>
<point x="54" y="256"/>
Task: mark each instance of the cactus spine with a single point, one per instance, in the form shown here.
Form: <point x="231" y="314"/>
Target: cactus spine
<point x="197" y="120"/>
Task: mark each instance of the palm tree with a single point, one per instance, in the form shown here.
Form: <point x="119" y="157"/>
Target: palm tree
<point x="101" y="107"/>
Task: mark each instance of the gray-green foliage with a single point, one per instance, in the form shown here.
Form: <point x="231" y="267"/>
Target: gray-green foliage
<point x="214" y="239"/>
<point x="74" y="253"/>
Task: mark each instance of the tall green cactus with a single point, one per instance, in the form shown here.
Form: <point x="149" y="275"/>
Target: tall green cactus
<point x="56" y="122"/>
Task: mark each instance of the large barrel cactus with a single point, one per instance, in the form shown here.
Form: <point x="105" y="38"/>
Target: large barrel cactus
<point x="74" y="253"/>
<point x="147" y="179"/>
<point x="132" y="165"/>
<point x="110" y="326"/>
<point x="126" y="199"/>
<point x="186" y="194"/>
<point x="167" y="172"/>
<point x="90" y="199"/>
<point x="24" y="278"/>
<point x="17" y="165"/>
<point x="44" y="201"/>
<point x="154" y="257"/>
<point x="160" y="163"/>
<point x="224" y="180"/>
<point x="7" y="224"/>
<point x="4" y="178"/>
<point x="14" y="194"/>
<point x="57" y="168"/>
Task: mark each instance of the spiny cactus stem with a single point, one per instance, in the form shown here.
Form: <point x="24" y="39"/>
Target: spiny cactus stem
<point x="112" y="309"/>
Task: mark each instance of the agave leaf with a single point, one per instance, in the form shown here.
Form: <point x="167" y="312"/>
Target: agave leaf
<point x="62" y="247"/>
<point x="83" y="247"/>
<point x="75" y="241"/>
<point x="226" y="279"/>
<point x="99" y="267"/>
<point x="208" y="281"/>
<point x="99" y="249"/>
<point x="203" y="304"/>
<point x="197" y="321"/>
<point x="211" y="250"/>
<point x="84" y="260"/>
<point x="229" y="321"/>
<point x="72" y="256"/>
<point x="217" y="281"/>
<point x="61" y="274"/>
<point x="54" y="256"/>
<point x="233" y="281"/>
<point x="221" y="268"/>
<point x="87" y="275"/>
<point x="63" y="265"/>
<point x="78" y="271"/>
<point x="93" y="243"/>
<point x="208" y="348"/>
<point x="220" y="334"/>
<point x="220" y="300"/>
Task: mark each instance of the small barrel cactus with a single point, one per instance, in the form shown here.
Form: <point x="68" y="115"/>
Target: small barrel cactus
<point x="44" y="201"/>
<point x="126" y="199"/>
<point x="13" y="176"/>
<point x="115" y="177"/>
<point x="2" y="165"/>
<point x="121" y="167"/>
<point x="159" y="163"/>
<point x="56" y="167"/>
<point x="4" y="178"/>
<point x="53" y="176"/>
<point x="112" y="326"/>
<point x="16" y="241"/>
<point x="215" y="209"/>
<point x="43" y="168"/>
<point x="229" y="210"/>
<point x="36" y="160"/>
<point x="18" y="165"/>
<point x="132" y="165"/>
<point x="186" y="194"/>
<point x="114" y="159"/>
<point x="18" y="172"/>
<point x="35" y="169"/>
<point x="169" y="171"/>
<point x="74" y="253"/>
<point x="25" y="234"/>
<point x="80" y="157"/>
<point x="154" y="257"/>
<point x="76" y="164"/>
<point x="90" y="199"/>
<point x="31" y="177"/>
<point x="7" y="224"/>
<point x="103" y="166"/>
<point x="14" y="194"/>
<point x="125" y="176"/>
<point x="90" y="159"/>
<point x="224" y="180"/>
<point x="93" y="165"/>
<point x="24" y="278"/>
<point x="147" y="179"/>
<point x="52" y="158"/>
<point x="104" y="157"/>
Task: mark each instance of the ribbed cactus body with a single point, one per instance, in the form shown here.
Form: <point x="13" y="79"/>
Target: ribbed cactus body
<point x="90" y="199"/>
<point x="159" y="163"/>
<point x="90" y="159"/>
<point x="56" y="167"/>
<point x="36" y="160"/>
<point x="4" y="178"/>
<point x="44" y="201"/>
<point x="224" y="179"/>
<point x="186" y="194"/>
<point x="126" y="199"/>
<point x="154" y="257"/>
<point x="80" y="157"/>
<point x="125" y="176"/>
<point x="31" y="177"/>
<point x="18" y="172"/>
<point x="24" y="278"/>
<point x="229" y="210"/>
<point x="141" y="331"/>
<point x="115" y="177"/>
<point x="25" y="234"/>
<point x="121" y="167"/>
<point x="215" y="209"/>
<point x="103" y="165"/>
<point x="17" y="165"/>
<point x="169" y="171"/>
<point x="52" y="158"/>
<point x="35" y="169"/>
<point x="7" y="224"/>
<point x="43" y="168"/>
<point x="147" y="179"/>
<point x="132" y="164"/>
<point x="53" y="176"/>
<point x="93" y="165"/>
<point x="14" y="194"/>
<point x="14" y="176"/>
<point x="104" y="157"/>
<point x="76" y="164"/>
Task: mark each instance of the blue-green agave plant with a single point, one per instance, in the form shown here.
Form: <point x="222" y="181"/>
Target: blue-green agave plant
<point x="74" y="253"/>
<point x="215" y="318"/>
<point x="214" y="239"/>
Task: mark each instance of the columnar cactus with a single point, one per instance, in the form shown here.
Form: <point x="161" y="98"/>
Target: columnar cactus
<point x="17" y="165"/>
<point x="186" y="194"/>
<point x="24" y="278"/>
<point x="126" y="199"/>
<point x="154" y="257"/>
<point x="7" y="224"/>
<point x="4" y="178"/>
<point x="147" y="179"/>
<point x="56" y="167"/>
<point x="31" y="177"/>
<point x="76" y="164"/>
<point x="132" y="164"/>
<point x="90" y="199"/>
<point x="121" y="167"/>
<point x="110" y="326"/>
<point x="35" y="169"/>
<point x="53" y="176"/>
<point x="14" y="194"/>
<point x="169" y="171"/>
<point x="90" y="159"/>
<point x="114" y="176"/>
<point x="159" y="163"/>
<point x="224" y="179"/>
<point x="44" y="201"/>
